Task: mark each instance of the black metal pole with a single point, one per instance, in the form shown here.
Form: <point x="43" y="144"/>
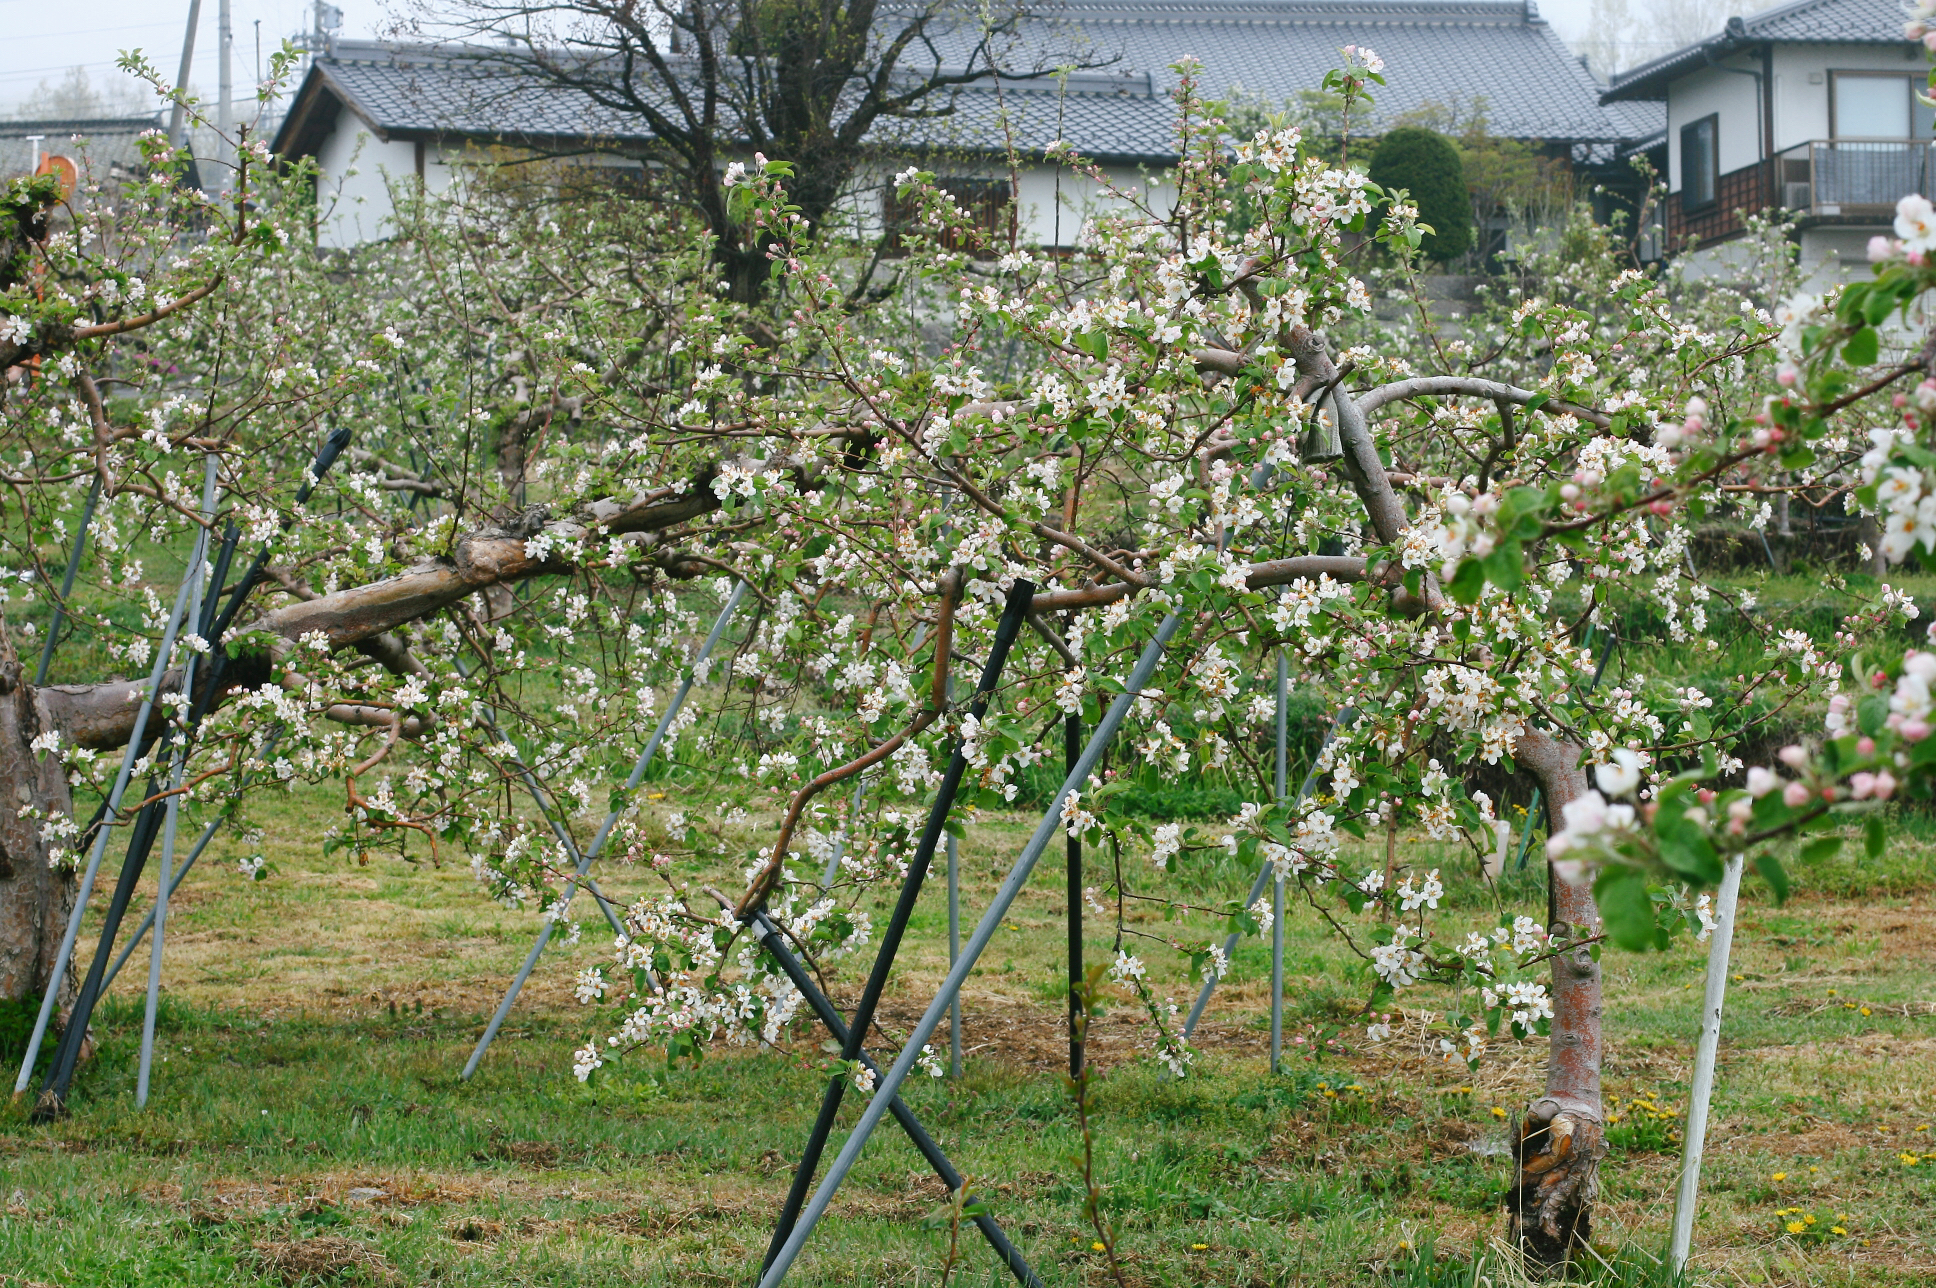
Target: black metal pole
<point x="1013" y="613"/>
<point x="775" y="943"/>
<point x="1072" y="752"/>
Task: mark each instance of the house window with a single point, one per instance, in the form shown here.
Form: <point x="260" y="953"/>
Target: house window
<point x="1700" y="163"/>
<point x="1870" y="106"/>
<point x="988" y="202"/>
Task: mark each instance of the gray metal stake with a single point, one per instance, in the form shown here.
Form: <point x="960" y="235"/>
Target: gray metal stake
<point x="171" y="819"/>
<point x="605" y="830"/>
<point x="67" y="584"/>
<point x="1704" y="1055"/>
<point x="860" y="791"/>
<point x="128" y="758"/>
<point x="890" y="1085"/>
<point x="1264" y="874"/>
<point x="840" y="842"/>
<point x="954" y="954"/>
<point x="1277" y="881"/>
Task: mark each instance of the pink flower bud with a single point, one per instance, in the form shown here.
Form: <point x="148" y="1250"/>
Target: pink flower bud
<point x="1786" y="375"/>
<point x="1885" y="785"/>
<point x="1760" y="783"/>
<point x="1862" y="786"/>
<point x="1796" y="795"/>
<point x="1865" y="746"/>
<point x="1705" y="795"/>
<point x="1880" y="248"/>
<point x="1914" y="256"/>
<point x="1662" y="507"/>
<point x="1915" y="730"/>
<point x="1793" y="756"/>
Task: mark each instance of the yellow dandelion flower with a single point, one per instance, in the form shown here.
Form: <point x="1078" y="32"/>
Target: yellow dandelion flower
<point x="1498" y="1113"/>
<point x="1808" y="1220"/>
<point x="1814" y="1169"/>
<point x="1838" y="1229"/>
<point x="1867" y="1011"/>
<point x="1795" y="1227"/>
<point x="1199" y="1247"/>
<point x="1097" y="1247"/>
<point x="1780" y="1176"/>
<point x="1739" y="978"/>
<point x="1909" y="1160"/>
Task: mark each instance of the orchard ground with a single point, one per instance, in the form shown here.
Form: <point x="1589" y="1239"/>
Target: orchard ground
<point x="307" y="1118"/>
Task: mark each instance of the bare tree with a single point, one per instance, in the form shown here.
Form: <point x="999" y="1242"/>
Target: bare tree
<point x="819" y="83"/>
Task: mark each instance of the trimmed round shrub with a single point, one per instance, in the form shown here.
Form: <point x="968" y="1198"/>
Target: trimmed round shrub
<point x="1427" y="166"/>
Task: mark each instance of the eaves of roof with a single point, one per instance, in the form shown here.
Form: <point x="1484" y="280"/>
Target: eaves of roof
<point x="1810" y="22"/>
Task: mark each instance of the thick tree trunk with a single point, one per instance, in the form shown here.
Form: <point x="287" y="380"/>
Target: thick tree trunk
<point x="1563" y="1136"/>
<point x="34" y="899"/>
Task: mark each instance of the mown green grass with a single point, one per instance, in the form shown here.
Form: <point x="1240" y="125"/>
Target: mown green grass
<point x="286" y="1080"/>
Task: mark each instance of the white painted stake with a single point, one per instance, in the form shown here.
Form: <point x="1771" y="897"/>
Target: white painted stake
<point x="1277" y="881"/>
<point x="1704" y="1053"/>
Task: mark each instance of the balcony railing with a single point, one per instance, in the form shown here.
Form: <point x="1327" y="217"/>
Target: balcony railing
<point x="1854" y="178"/>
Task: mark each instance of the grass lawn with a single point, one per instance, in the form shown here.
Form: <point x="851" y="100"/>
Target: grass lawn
<point x="307" y="1118"/>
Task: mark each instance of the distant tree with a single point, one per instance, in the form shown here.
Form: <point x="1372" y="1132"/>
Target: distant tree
<point x="76" y="97"/>
<point x="1427" y="166"/>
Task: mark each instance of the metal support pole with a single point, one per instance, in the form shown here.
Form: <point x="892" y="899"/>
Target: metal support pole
<point x="954" y="953"/>
<point x="67" y="584"/>
<point x="1281" y="785"/>
<point x="1701" y="1094"/>
<point x="1265" y="872"/>
<point x="171" y="820"/>
<point x="889" y="1085"/>
<point x="605" y="829"/>
<point x="775" y="943"/>
<point x="1071" y="753"/>
<point x="840" y="842"/>
<point x="102" y="830"/>
<point x="1021" y="593"/>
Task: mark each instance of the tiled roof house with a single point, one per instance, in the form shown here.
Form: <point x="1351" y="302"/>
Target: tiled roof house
<point x="1809" y="107"/>
<point x="416" y="109"/>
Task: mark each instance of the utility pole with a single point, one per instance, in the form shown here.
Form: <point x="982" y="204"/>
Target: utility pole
<point x="178" y="119"/>
<point x="225" y="45"/>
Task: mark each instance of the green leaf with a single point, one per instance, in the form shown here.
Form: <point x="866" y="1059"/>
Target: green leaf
<point x="1771" y="871"/>
<point x="1862" y="347"/>
<point x="1691" y="854"/>
<point x="1093" y="343"/>
<point x="1467" y="582"/>
<point x="1622" y="895"/>
<point x="1820" y="848"/>
<point x="1873" y="836"/>
<point x="1505" y="567"/>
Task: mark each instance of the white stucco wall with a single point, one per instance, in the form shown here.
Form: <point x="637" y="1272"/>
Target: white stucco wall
<point x="356" y="171"/>
<point x="1714" y="91"/>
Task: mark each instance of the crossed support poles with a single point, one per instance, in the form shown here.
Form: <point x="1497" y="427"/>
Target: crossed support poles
<point x="888" y="1086"/>
<point x="582" y="859"/>
<point x="211" y="621"/>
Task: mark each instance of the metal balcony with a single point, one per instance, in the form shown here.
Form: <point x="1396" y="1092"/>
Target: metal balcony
<point x="1854" y="179"/>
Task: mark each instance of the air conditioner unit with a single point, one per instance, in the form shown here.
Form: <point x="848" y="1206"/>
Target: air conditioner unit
<point x="1797" y="196"/>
